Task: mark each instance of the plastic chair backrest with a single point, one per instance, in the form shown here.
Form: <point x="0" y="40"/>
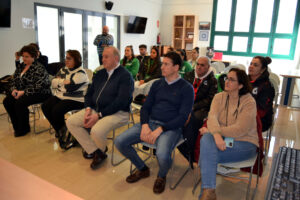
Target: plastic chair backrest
<point x="219" y="66"/>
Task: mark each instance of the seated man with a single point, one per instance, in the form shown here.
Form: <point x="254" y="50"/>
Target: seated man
<point x="205" y="88"/>
<point x="143" y="53"/>
<point x="107" y="105"/>
<point x="163" y="115"/>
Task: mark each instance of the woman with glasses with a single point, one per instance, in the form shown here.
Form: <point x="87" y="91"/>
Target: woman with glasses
<point x="130" y="62"/>
<point x="263" y="91"/>
<point x="231" y="133"/>
<point x="30" y="85"/>
<point x="70" y="85"/>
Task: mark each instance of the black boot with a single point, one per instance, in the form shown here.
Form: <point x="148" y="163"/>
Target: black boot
<point x="99" y="157"/>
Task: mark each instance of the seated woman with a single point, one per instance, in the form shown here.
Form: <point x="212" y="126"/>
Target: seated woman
<point x="149" y="71"/>
<point x="263" y="91"/>
<point x="195" y="56"/>
<point x="70" y="84"/>
<point x="30" y="85"/>
<point x="130" y="62"/>
<point x="232" y="116"/>
<point x="186" y="67"/>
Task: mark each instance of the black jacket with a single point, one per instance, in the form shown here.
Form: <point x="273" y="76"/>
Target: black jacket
<point x="153" y="70"/>
<point x="109" y="96"/>
<point x="205" y="93"/>
<point x="263" y="93"/>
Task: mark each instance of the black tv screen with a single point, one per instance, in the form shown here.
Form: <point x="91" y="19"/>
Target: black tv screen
<point x="136" y="24"/>
<point x="5" y="7"/>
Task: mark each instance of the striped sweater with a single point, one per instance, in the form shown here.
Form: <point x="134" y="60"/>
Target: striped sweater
<point x="101" y="39"/>
<point x="77" y="87"/>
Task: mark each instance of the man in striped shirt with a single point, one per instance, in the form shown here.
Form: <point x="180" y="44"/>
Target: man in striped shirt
<point x="103" y="40"/>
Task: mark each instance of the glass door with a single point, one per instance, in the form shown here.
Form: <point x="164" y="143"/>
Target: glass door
<point x="94" y="28"/>
<point x="48" y="34"/>
<point x="72" y="26"/>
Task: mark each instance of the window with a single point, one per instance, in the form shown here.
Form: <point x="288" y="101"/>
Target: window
<point x="255" y="27"/>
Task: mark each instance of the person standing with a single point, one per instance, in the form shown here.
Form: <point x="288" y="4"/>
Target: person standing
<point x="103" y="40"/>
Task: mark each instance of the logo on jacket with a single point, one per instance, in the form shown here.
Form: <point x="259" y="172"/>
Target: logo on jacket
<point x="255" y="90"/>
<point x="205" y="82"/>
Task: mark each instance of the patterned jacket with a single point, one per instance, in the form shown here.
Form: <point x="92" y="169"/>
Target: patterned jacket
<point x="34" y="81"/>
<point x="77" y="87"/>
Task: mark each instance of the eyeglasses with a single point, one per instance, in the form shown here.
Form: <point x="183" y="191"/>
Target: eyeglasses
<point x="229" y="79"/>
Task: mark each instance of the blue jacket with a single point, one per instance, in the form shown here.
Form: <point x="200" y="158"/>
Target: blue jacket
<point x="109" y="96"/>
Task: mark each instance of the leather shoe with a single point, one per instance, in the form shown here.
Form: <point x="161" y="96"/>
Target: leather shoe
<point x="137" y="175"/>
<point x="97" y="160"/>
<point x="159" y="185"/>
<point x="91" y="155"/>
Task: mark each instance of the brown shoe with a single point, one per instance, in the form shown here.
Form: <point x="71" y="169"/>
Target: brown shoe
<point x="137" y="175"/>
<point x="159" y="185"/>
<point x="208" y="194"/>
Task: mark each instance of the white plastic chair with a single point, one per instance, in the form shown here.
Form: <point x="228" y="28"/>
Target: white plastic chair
<point x="219" y="66"/>
<point x="238" y="66"/>
<point x="243" y="164"/>
<point x="89" y="74"/>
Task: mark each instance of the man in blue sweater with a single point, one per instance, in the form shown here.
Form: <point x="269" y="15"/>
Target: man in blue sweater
<point x="163" y="115"/>
<point x="107" y="105"/>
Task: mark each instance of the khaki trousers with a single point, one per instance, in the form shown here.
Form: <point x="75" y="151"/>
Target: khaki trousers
<point x="96" y="138"/>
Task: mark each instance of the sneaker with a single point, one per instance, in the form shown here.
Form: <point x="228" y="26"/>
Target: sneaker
<point x="159" y="185"/>
<point x="137" y="175"/>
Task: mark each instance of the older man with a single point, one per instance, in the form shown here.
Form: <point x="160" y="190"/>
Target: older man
<point x="205" y="88"/>
<point x="107" y="105"/>
<point x="163" y="115"/>
<point x="103" y="40"/>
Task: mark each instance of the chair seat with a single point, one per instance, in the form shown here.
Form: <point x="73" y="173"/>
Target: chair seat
<point x="242" y="164"/>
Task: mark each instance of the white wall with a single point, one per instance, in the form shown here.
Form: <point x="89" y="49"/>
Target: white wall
<point x="200" y="8"/>
<point x="12" y="39"/>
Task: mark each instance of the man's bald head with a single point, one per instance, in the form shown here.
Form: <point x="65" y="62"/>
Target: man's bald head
<point x="105" y="30"/>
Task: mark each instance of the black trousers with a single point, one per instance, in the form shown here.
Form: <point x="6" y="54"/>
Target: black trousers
<point x="18" y="112"/>
<point x="190" y="133"/>
<point x="55" y="109"/>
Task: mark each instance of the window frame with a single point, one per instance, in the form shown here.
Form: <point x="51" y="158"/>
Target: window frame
<point x="272" y="35"/>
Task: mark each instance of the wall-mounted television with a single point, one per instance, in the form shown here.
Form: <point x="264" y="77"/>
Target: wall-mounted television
<point x="5" y="10"/>
<point x="136" y="24"/>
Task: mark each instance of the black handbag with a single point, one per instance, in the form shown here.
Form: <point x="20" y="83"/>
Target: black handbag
<point x="139" y="99"/>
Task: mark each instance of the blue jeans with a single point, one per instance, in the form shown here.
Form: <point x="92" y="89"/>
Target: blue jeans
<point x="165" y="144"/>
<point x="210" y="156"/>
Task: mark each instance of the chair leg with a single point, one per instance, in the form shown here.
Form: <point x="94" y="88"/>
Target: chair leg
<point x="113" y="163"/>
<point x="173" y="187"/>
<point x="249" y="184"/>
<point x="257" y="177"/>
<point x="196" y="179"/>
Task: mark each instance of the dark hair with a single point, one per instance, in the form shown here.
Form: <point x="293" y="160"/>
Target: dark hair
<point x="157" y="53"/>
<point x="242" y="79"/>
<point x="175" y="57"/>
<point x="170" y="49"/>
<point x="264" y="61"/>
<point x="182" y="53"/>
<point x="35" y="45"/>
<point x="132" y="55"/>
<point x="196" y="49"/>
<point x="143" y="46"/>
<point x="76" y="56"/>
<point x="31" y="50"/>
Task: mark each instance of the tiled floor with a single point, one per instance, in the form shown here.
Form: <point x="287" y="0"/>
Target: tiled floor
<point x="40" y="155"/>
